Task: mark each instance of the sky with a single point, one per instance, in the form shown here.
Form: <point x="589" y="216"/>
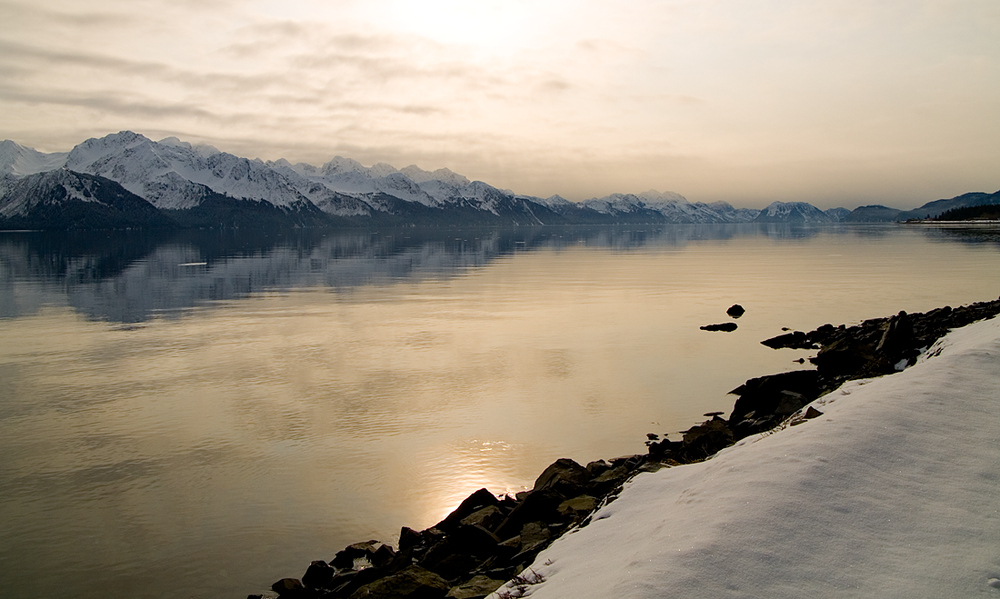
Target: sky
<point x="844" y="103"/>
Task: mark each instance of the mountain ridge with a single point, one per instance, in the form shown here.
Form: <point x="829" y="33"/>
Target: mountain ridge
<point x="199" y="185"/>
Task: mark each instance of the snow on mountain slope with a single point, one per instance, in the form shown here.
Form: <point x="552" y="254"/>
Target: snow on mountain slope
<point x="64" y="199"/>
<point x="160" y="172"/>
<point x="619" y="203"/>
<point x="51" y="187"/>
<point x="838" y="214"/>
<point x="20" y="161"/>
<point x="730" y="214"/>
<point x="444" y="175"/>
<point x="655" y="197"/>
<point x="671" y="206"/>
<point x="891" y="492"/>
<point x="793" y="212"/>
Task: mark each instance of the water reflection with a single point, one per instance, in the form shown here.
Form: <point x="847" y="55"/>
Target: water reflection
<point x="199" y="415"/>
<point x="129" y="277"/>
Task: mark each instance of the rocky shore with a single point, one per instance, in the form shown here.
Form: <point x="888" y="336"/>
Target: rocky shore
<point x="489" y="540"/>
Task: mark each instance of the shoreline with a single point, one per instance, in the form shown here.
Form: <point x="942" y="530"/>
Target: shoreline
<point x="488" y="541"/>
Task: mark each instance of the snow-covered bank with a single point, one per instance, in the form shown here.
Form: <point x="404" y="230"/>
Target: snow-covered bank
<point x="892" y="492"/>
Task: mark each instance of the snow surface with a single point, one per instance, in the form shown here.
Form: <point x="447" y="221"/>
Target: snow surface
<point x="892" y="492"/>
<point x="20" y="161"/>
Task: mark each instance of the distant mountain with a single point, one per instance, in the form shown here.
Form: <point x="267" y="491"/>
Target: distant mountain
<point x="200" y="186"/>
<point x="794" y="212"/>
<point x="62" y="199"/>
<point x="969" y="213"/>
<point x="873" y="214"/>
<point x="938" y="207"/>
<point x="838" y="215"/>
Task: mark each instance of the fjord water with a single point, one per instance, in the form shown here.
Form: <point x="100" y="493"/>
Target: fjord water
<point x="201" y="414"/>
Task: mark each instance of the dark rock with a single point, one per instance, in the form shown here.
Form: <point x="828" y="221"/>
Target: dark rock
<point x="475" y="539"/>
<point x="845" y="356"/>
<point x="653" y="436"/>
<point x="473" y="503"/>
<point x="347" y="582"/>
<point x="597" y="467"/>
<point x="897" y="338"/>
<point x="562" y="473"/>
<point x="726" y="327"/>
<point x="631" y="462"/>
<point x="578" y="507"/>
<point x="383" y="556"/>
<point x="615" y="475"/>
<point x="534" y="534"/>
<point x="319" y="575"/>
<point x="659" y="450"/>
<point x="288" y="586"/>
<point x="409" y="538"/>
<point x="706" y="439"/>
<point x="508" y="503"/>
<point x="509" y="547"/>
<point x="735" y="311"/>
<point x="763" y="395"/>
<point x="489" y="518"/>
<point x="450" y="566"/>
<point x="794" y="340"/>
<point x="412" y="583"/>
<point x="537" y="506"/>
<point x="476" y="588"/>
<point x="811" y="413"/>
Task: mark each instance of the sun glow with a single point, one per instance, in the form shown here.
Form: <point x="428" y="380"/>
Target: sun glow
<point x="488" y="26"/>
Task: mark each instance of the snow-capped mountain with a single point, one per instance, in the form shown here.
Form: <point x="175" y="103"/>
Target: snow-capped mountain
<point x="669" y="207"/>
<point x="64" y="199"/>
<point x="793" y="212"/>
<point x="198" y="185"/>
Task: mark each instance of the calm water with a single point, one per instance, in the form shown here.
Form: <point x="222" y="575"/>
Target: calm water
<point x="200" y="415"/>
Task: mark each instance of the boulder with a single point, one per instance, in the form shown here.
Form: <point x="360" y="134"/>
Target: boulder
<point x="534" y="533"/>
<point x="811" y="413"/>
<point x="845" y="356"/>
<point x="706" y="439"/>
<point x="562" y="473"/>
<point x="489" y="518"/>
<point x="383" y="556"/>
<point x="476" y="588"/>
<point x="793" y="340"/>
<point x="409" y="538"/>
<point x="288" y="587"/>
<point x="537" y="506"/>
<point x="473" y="503"/>
<point x="413" y="582"/>
<point x="597" y="467"/>
<point x="764" y="395"/>
<point x="735" y="311"/>
<point x="578" y="507"/>
<point x="897" y="340"/>
<point x="319" y="575"/>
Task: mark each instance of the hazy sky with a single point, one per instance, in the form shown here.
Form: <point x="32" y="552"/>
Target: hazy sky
<point x="841" y="102"/>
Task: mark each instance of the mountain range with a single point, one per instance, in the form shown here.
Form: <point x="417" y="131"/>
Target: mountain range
<point x="126" y="180"/>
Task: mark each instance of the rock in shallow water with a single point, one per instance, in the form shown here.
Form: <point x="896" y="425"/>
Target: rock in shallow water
<point x="726" y="327"/>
